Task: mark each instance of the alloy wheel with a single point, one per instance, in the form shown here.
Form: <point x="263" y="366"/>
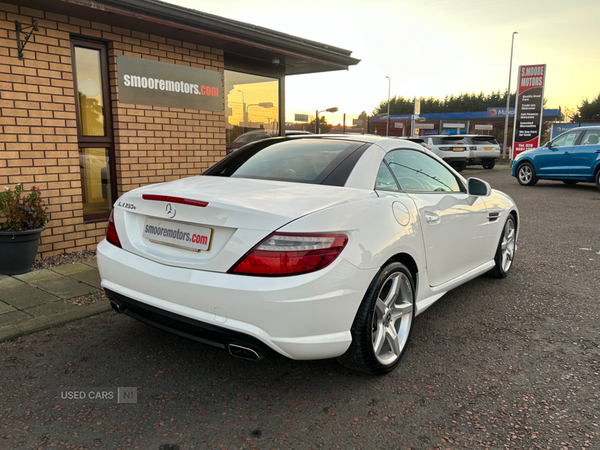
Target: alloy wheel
<point x="508" y="245"/>
<point x="392" y="318"/>
<point x="525" y="174"/>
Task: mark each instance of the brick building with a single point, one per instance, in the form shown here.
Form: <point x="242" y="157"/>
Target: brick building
<point x="100" y="97"/>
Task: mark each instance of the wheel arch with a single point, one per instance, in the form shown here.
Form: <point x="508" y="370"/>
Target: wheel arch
<point x="515" y="216"/>
<point x="408" y="261"/>
<point x="526" y="160"/>
<point x="596" y="169"/>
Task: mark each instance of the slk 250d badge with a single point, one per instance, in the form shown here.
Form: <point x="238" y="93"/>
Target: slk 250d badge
<point x="126" y="205"/>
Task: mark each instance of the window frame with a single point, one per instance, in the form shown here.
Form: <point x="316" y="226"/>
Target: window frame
<point x="459" y="181"/>
<point x="106" y="141"/>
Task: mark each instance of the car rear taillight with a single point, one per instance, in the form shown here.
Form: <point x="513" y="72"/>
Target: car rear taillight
<point x="111" y="231"/>
<point x="283" y="254"/>
<point x="445" y="149"/>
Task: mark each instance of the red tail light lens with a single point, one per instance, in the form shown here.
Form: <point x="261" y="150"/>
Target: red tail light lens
<point x="283" y="254"/>
<point x="111" y="231"/>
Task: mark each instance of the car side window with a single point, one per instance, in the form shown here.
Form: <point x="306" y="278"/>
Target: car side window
<point x="591" y="137"/>
<point x="566" y="139"/>
<point x="417" y="172"/>
<point x="385" y="180"/>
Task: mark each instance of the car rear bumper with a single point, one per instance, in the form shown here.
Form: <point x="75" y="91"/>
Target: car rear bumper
<point x="482" y="160"/>
<point x="300" y="317"/>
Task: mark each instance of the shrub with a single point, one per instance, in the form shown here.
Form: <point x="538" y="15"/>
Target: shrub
<point x="20" y="211"/>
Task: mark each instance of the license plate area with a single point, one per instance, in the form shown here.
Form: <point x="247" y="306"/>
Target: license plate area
<point x="178" y="234"/>
<point x="457" y="149"/>
<point x="488" y="148"/>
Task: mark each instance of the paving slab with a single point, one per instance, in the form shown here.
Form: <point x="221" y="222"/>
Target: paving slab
<point x="21" y="295"/>
<point x="5" y="307"/>
<point x="37" y="300"/>
<point x="91" y="263"/>
<point x="14" y="330"/>
<point x="49" y="309"/>
<point x="80" y="272"/>
<point x="14" y="318"/>
<point x="57" y="284"/>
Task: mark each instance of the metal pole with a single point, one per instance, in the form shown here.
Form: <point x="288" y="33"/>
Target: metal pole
<point x="317" y="122"/>
<point x="244" y="112"/>
<point x="387" y="130"/>
<point x="505" y="149"/>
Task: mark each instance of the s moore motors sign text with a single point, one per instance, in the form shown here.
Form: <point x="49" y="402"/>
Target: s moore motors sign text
<point x="529" y="108"/>
<point x="147" y="82"/>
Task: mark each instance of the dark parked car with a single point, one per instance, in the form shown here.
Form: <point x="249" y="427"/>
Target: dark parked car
<point x="572" y="157"/>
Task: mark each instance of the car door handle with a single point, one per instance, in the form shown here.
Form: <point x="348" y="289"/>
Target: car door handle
<point x="432" y="217"/>
<point x="566" y="153"/>
<point x="597" y="151"/>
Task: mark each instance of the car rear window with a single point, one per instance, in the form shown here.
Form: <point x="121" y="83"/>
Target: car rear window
<point x="481" y="140"/>
<point x="448" y="140"/>
<point x="297" y="160"/>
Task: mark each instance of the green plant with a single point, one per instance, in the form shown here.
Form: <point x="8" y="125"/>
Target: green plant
<point x="19" y="211"/>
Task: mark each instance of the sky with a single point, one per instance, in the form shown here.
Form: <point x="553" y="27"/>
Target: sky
<point x="432" y="47"/>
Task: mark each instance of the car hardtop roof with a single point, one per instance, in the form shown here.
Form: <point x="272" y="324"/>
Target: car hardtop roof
<point x="478" y="135"/>
<point x="385" y="142"/>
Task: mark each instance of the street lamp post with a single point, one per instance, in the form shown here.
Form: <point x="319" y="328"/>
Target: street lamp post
<point x="331" y="110"/>
<point x="262" y="105"/>
<point x="244" y="112"/>
<point x="387" y="128"/>
<point x="505" y="148"/>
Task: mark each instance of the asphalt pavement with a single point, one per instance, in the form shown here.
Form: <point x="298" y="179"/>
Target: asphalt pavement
<point x="494" y="364"/>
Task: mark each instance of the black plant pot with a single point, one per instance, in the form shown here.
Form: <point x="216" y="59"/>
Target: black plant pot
<point x="18" y="250"/>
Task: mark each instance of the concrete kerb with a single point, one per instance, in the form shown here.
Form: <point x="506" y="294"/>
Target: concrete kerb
<point x="17" y="330"/>
<point x="39" y="300"/>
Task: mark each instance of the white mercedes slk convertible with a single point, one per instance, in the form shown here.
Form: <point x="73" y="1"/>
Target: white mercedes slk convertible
<point x="306" y="247"/>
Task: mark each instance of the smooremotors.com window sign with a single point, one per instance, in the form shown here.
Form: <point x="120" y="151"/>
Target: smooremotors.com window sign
<point x="147" y="82"/>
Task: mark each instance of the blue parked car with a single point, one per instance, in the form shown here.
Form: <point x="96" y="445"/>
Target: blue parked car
<point x="572" y="157"/>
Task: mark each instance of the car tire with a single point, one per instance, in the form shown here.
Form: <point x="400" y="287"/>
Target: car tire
<point x="459" y="167"/>
<point x="570" y="181"/>
<point x="383" y="323"/>
<point x="526" y="174"/>
<point x="505" y="252"/>
<point x="597" y="178"/>
<point x="489" y="166"/>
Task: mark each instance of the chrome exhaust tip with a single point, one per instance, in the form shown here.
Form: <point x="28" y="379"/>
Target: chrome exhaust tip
<point x="244" y="352"/>
<point x="116" y="307"/>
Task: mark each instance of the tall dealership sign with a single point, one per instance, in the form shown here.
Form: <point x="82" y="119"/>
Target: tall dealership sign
<point x="529" y="108"/>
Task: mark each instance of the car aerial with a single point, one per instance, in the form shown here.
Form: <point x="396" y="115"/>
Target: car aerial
<point x="484" y="150"/>
<point x="572" y="157"/>
<point x="452" y="149"/>
<point x="323" y="246"/>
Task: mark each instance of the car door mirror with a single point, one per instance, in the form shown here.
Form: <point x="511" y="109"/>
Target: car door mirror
<point x="478" y="188"/>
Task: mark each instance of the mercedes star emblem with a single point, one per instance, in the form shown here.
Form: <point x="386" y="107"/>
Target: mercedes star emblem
<point x="170" y="211"/>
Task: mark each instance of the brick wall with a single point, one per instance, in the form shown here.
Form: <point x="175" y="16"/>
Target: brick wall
<point x="38" y="129"/>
